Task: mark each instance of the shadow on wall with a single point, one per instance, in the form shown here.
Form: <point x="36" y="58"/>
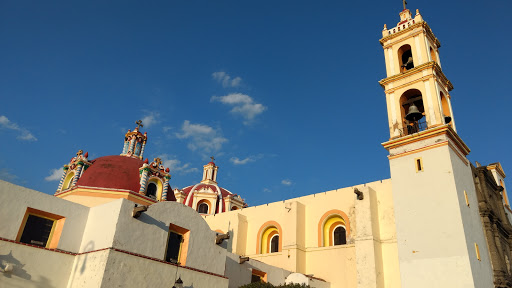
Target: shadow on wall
<point x="17" y="267"/>
<point x="88" y="247"/>
<point x="144" y="218"/>
<point x="82" y="263"/>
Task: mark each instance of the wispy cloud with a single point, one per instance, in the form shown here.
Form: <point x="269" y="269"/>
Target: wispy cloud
<point x="24" y="134"/>
<point x="286" y="182"/>
<point x="175" y="165"/>
<point x="150" y="119"/>
<point x="242" y="105"/>
<point x="55" y="175"/>
<point x="7" y="176"/>
<point x="266" y="190"/>
<point x="201" y="137"/>
<point x="226" y="80"/>
<point x="238" y="161"/>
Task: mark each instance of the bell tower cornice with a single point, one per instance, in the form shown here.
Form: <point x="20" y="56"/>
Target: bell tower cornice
<point x="438" y="74"/>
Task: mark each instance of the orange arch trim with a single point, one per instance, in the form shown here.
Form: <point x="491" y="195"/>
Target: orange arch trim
<point x="264" y="227"/>
<point x="327" y="215"/>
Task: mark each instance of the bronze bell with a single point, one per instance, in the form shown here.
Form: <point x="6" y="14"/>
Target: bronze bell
<point x="413" y="114"/>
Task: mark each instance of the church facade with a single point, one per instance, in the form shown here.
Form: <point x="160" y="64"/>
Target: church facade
<point x="438" y="221"/>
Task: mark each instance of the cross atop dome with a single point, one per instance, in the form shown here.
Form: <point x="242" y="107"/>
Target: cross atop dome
<point x="135" y="142"/>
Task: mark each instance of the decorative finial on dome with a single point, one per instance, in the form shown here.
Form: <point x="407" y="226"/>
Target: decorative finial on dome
<point x="213" y="159"/>
<point x="139" y="123"/>
<point x="135" y="142"/>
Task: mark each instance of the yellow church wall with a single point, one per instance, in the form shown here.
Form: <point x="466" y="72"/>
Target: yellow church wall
<point x="300" y="218"/>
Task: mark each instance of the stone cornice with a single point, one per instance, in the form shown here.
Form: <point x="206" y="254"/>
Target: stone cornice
<point x="443" y="129"/>
<point x="422" y="24"/>
<point x="438" y="74"/>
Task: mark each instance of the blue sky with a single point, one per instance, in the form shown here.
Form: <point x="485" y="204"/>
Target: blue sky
<point x="284" y="94"/>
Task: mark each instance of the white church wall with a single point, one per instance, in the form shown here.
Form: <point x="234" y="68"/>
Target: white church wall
<point x="147" y="235"/>
<point x="431" y="242"/>
<point x="88" y="269"/>
<point x="14" y="201"/>
<point x="124" y="270"/>
<point x="472" y="223"/>
<point x="34" y="267"/>
<point x="101" y="226"/>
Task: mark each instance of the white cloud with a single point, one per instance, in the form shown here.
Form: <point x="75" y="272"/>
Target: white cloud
<point x="266" y="190"/>
<point x="150" y="119"/>
<point x="226" y="80"/>
<point x="6" y="176"/>
<point x="238" y="161"/>
<point x="242" y="104"/>
<point x="55" y="175"/>
<point x="287" y="182"/>
<point x="24" y="133"/>
<point x="202" y="137"/>
<point x="175" y="165"/>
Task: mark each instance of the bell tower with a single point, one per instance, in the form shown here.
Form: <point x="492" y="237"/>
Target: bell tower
<point x="440" y="238"/>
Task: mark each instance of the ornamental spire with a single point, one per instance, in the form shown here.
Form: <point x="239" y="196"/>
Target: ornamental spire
<point x="135" y="142"/>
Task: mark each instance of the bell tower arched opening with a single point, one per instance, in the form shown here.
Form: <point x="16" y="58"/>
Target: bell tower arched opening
<point x="405" y="58"/>
<point x="412" y="111"/>
<point x="446" y="109"/>
<point x="433" y="56"/>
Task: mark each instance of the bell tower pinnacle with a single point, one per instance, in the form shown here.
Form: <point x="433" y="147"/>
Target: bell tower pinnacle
<point x="435" y="203"/>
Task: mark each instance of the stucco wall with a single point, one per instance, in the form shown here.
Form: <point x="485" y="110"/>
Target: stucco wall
<point x="148" y="234"/>
<point x="88" y="269"/>
<point x="34" y="267"/>
<point x="101" y="226"/>
<point x="123" y="270"/>
<point x="299" y="219"/>
<point x="14" y="201"/>
<point x="432" y="243"/>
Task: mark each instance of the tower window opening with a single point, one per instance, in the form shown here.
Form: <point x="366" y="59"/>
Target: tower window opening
<point x="151" y="191"/>
<point x="433" y="55"/>
<point x="413" y="112"/>
<point x="446" y="109"/>
<point x="405" y="58"/>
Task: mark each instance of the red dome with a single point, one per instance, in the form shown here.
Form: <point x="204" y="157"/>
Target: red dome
<point x="115" y="172"/>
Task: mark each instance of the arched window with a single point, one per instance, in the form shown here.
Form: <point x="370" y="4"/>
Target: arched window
<point x="202" y="208"/>
<point x="339" y="235"/>
<point x="154" y="188"/>
<point x="413" y="112"/>
<point x="269" y="240"/>
<point x="446" y="109"/>
<point x="433" y="55"/>
<point x="274" y="243"/>
<point x="405" y="58"/>
<point x="68" y="181"/>
<point x="151" y="191"/>
<point x="333" y="228"/>
<point x="234" y="208"/>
